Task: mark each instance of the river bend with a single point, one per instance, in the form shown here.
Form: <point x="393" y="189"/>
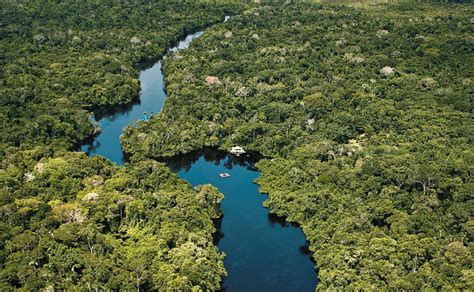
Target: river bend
<point x="263" y="252"/>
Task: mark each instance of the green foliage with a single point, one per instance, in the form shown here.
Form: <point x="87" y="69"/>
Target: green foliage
<point x="290" y="74"/>
<point x="61" y="59"/>
<point x="365" y="113"/>
<point x="70" y="222"/>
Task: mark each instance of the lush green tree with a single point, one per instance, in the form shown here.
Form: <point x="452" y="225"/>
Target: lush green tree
<point x="62" y="60"/>
<point x="69" y="221"/>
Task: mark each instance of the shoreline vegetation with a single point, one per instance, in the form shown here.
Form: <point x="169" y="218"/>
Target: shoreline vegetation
<point x="75" y="222"/>
<point x="365" y="116"/>
<point x="363" y="113"/>
<point x="58" y="66"/>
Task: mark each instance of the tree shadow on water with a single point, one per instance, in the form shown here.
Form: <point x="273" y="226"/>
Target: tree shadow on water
<point x="184" y="162"/>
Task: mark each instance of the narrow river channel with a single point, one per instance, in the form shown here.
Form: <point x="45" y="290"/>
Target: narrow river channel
<point x="263" y="253"/>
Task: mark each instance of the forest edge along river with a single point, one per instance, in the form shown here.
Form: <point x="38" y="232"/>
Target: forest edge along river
<point x="263" y="252"/>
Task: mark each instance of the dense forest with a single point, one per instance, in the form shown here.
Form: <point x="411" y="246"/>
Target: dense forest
<point x="365" y="116"/>
<point x="72" y="222"/>
<point x="363" y="113"/>
<point x="62" y="59"/>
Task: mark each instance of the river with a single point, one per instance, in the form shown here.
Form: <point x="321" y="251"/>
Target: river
<point x="263" y="252"/>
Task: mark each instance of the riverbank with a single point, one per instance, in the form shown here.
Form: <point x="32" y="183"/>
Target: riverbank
<point x="273" y="243"/>
<point x="263" y="251"/>
<point x="365" y="112"/>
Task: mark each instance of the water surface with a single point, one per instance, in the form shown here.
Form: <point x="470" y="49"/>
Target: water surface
<point x="263" y="252"/>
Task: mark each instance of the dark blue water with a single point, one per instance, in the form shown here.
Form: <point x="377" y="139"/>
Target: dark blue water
<point x="263" y="252"/>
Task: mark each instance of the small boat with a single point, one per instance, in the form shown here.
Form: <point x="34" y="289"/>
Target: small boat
<point x="224" y="174"/>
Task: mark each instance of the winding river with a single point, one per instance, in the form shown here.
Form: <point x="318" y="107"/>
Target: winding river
<point x="263" y="252"/>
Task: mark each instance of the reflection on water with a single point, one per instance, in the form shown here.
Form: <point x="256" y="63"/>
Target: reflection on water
<point x="211" y="155"/>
